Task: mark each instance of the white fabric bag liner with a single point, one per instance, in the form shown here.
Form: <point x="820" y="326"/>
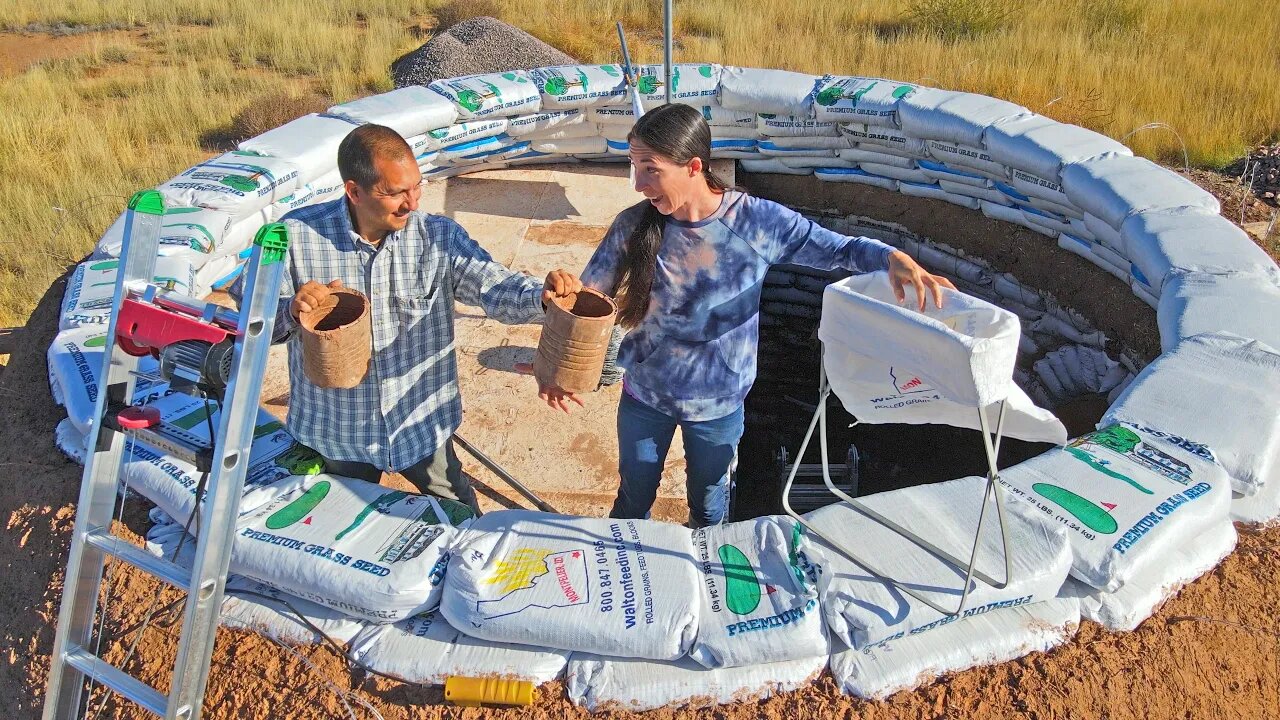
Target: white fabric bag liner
<point x="464" y="131"/>
<point x="1219" y="389"/>
<point x="626" y="588"/>
<point x="243" y="604"/>
<point x="759" y="593"/>
<point x="427" y="649"/>
<point x="1195" y="303"/>
<point x="863" y="609"/>
<point x="1128" y="496"/>
<point x="938" y="366"/>
<point x="1042" y="146"/>
<point x="811" y="162"/>
<point x="410" y="110"/>
<point x="349" y="545"/>
<point x="873" y="154"/>
<point x="806" y="143"/>
<point x="570" y="146"/>
<point x="75" y="363"/>
<point x="951" y="116"/>
<point x="1263" y="507"/>
<point x="491" y="94"/>
<point x="239" y="183"/>
<point x="309" y="142"/>
<point x="1141" y="597"/>
<point x="933" y="191"/>
<point x="778" y="92"/>
<point x="604" y="683"/>
<point x="914" y="175"/>
<point x="718" y="116"/>
<point x="878" y="671"/>
<point x="983" y="194"/>
<point x="1185" y="239"/>
<point x="579" y="86"/>
<point x="999" y="211"/>
<point x="941" y="171"/>
<point x="870" y="101"/>
<point x="1116" y="186"/>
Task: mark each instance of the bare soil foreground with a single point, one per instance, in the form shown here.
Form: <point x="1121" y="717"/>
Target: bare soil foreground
<point x="1213" y="651"/>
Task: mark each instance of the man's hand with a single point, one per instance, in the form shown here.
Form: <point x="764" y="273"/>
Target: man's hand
<point x="311" y="296"/>
<point x="554" y="396"/>
<point x="903" y="271"/>
<point x="559" y="284"/>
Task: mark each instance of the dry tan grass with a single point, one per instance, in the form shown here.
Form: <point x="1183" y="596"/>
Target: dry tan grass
<point x="78" y="135"/>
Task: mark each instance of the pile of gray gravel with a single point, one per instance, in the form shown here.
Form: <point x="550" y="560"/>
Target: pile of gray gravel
<point x="477" y="45"/>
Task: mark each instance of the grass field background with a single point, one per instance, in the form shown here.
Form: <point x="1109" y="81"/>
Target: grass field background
<point x="157" y="84"/>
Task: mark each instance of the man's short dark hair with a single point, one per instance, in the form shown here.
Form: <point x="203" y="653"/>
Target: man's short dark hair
<point x="359" y="149"/>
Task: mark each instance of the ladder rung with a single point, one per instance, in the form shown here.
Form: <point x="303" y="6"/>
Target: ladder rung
<point x="118" y="680"/>
<point x="102" y="539"/>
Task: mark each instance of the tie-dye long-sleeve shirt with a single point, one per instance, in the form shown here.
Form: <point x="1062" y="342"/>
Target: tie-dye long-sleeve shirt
<point x="693" y="356"/>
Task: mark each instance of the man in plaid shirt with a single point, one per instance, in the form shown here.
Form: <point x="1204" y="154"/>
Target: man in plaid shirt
<point x="412" y="266"/>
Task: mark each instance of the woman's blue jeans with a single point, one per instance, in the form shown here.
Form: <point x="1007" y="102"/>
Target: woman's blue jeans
<point x="644" y="437"/>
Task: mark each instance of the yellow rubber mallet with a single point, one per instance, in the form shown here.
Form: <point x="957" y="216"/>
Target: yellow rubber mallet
<point x="474" y="692"/>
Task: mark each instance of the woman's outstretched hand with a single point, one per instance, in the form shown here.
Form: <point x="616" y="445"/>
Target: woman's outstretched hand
<point x="904" y="271"/>
<point x="556" y="397"/>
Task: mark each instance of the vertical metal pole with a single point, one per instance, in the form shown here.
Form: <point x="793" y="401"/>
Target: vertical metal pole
<point x="666" y="47"/>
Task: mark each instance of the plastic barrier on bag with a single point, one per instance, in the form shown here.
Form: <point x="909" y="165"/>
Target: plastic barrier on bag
<point x="862" y="609"/>
<point x="410" y="111"/>
<point x="238" y="183"/>
<point x="603" y="683"/>
<point x="427" y="649"/>
<point x="624" y="588"/>
<point x="310" y="143"/>
<point x="877" y="671"/>
<point x="1142" y="596"/>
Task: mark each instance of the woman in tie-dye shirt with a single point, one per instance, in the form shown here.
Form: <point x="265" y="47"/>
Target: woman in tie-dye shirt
<point x="686" y="266"/>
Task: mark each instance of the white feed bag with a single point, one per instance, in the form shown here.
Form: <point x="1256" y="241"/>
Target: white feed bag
<point x="1188" y="240"/>
<point x="957" y="117"/>
<point x="691" y="84"/>
<point x="982" y="194"/>
<point x="1034" y="186"/>
<point x="239" y="183"/>
<point x="976" y="158"/>
<point x="723" y="132"/>
<point x="880" y="670"/>
<point x="855" y="175"/>
<point x="719" y="117"/>
<point x="603" y="683"/>
<point x="491" y="94"/>
<point x="90" y="292"/>
<point x="191" y="233"/>
<point x="1195" y="303"/>
<point x="1128" y="496"/>
<point x="891" y="138"/>
<point x="1263" y="507"/>
<point x="410" y="110"/>
<point x="941" y="171"/>
<point x="777" y="92"/>
<point x="868" y="101"/>
<point x="277" y="463"/>
<point x="1042" y="146"/>
<point x="565" y="87"/>
<point x="771" y="165"/>
<point x="309" y="142"/>
<point x="1117" y="186"/>
<point x="781" y="145"/>
<point x="891" y="363"/>
<point x="350" y="545"/>
<point x="862" y="608"/>
<point x="625" y="588"/>
<point x="794" y="126"/>
<point x="759" y="593"/>
<point x="999" y="211"/>
<point x="873" y="154"/>
<point x="75" y="363"/>
<point x="1219" y="389"/>
<point x="622" y="116"/>
<point x="462" y="132"/>
<point x="427" y="649"/>
<point x="542" y="123"/>
<point x="933" y="191"/>
<point x="570" y="146"/>
<point x="251" y="605"/>
<point x="1142" y="596"/>
<point x="909" y="175"/>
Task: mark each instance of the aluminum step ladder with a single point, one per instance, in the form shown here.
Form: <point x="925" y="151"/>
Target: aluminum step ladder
<point x="240" y="362"/>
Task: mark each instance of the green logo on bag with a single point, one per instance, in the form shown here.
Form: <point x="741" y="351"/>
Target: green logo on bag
<point x="237" y="182"/>
<point x="1094" y="517"/>
<point x="300" y="508"/>
<point x="741" y="587"/>
<point x="96" y="341"/>
<point x="105" y="265"/>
